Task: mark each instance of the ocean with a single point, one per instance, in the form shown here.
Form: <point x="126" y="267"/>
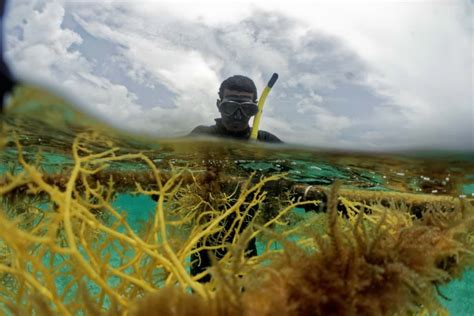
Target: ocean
<point x="94" y="219"/>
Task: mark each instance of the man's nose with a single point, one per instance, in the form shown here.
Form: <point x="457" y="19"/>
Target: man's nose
<point x="238" y="115"/>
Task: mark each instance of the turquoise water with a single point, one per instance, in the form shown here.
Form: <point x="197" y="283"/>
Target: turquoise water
<point x="461" y="295"/>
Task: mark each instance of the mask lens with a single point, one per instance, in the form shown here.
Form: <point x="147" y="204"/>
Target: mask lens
<point x="247" y="108"/>
<point x="229" y="107"/>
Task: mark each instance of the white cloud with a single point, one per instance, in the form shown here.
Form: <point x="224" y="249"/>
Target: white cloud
<point x="44" y="43"/>
<point x="43" y="54"/>
<point x="418" y="58"/>
<point x="183" y="71"/>
<point x="327" y="124"/>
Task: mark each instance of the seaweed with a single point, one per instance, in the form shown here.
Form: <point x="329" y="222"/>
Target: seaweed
<point x="78" y="254"/>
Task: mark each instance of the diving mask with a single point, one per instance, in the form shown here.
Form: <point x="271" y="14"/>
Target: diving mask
<point x="229" y="107"/>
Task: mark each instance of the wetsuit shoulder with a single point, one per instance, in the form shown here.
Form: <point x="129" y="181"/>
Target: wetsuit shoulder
<point x="265" y="136"/>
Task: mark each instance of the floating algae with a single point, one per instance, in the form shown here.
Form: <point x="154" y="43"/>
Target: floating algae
<point x="381" y="236"/>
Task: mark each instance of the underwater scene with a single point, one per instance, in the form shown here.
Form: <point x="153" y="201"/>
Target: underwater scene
<point x="97" y="221"/>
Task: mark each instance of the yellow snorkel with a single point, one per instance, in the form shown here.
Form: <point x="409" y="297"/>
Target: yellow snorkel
<point x="261" y="102"/>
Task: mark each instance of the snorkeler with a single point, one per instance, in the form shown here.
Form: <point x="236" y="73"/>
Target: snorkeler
<point x="236" y="104"/>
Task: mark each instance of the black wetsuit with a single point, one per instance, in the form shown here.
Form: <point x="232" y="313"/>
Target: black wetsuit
<point x="200" y="261"/>
<point x="220" y="131"/>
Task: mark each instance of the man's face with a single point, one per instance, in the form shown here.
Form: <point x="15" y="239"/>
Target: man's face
<point x="237" y="121"/>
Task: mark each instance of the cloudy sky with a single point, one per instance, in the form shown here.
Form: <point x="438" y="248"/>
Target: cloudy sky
<point x="353" y="74"/>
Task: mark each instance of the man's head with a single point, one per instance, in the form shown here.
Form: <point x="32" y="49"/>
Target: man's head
<point x="237" y="103"/>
